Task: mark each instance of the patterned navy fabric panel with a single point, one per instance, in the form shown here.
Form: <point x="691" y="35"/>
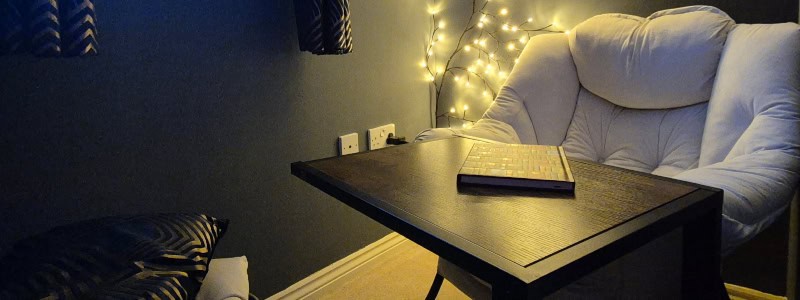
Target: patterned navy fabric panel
<point x="323" y="26"/>
<point x="78" y="28"/>
<point x="336" y="25"/>
<point x="162" y="256"/>
<point x="48" y="27"/>
<point x="43" y="28"/>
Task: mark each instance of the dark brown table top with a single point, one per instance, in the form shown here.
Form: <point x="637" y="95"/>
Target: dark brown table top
<point x="516" y="231"/>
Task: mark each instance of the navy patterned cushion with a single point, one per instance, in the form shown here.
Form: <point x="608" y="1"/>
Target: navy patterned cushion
<point x="162" y="256"/>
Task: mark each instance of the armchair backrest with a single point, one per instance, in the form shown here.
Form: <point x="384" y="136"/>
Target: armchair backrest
<point x="619" y="89"/>
<point x="660" y="70"/>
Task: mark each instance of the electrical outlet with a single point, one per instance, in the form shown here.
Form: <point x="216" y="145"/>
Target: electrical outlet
<point x="377" y="136"/>
<point x="348" y="144"/>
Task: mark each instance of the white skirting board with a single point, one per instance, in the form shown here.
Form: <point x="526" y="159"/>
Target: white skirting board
<point x="321" y="278"/>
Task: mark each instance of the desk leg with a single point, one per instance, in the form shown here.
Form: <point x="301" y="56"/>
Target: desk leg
<point x="701" y="257"/>
<point x="435" y="286"/>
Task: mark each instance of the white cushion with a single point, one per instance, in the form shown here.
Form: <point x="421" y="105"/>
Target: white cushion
<point x="226" y="279"/>
<point x="663" y="142"/>
<point x="751" y="144"/>
<point x="667" y="60"/>
<point x="488" y="129"/>
<point x="757" y="85"/>
<point x="540" y="91"/>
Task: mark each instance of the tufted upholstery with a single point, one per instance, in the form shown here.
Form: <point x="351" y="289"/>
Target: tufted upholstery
<point x="666" y="60"/>
<point x="684" y="93"/>
<point x="667" y="144"/>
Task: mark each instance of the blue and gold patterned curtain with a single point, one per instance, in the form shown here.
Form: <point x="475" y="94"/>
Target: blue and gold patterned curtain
<point x="323" y="26"/>
<point x="48" y="27"/>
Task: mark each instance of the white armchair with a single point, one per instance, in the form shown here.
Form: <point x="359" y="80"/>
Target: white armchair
<point x="685" y="93"/>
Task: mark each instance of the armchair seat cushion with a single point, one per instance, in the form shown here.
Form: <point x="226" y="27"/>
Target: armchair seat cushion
<point x="664" y="142"/>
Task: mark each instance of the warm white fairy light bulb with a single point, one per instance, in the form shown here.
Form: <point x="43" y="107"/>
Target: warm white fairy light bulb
<point x="434" y="9"/>
<point x="566" y="32"/>
<point x="489" y="65"/>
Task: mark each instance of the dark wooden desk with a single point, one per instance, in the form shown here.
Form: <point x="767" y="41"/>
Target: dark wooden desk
<point x="527" y="244"/>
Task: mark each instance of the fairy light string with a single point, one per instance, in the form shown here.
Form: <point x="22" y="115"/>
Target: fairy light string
<point x="494" y="47"/>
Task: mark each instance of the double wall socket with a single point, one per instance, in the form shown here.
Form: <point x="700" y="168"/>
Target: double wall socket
<point x="348" y="144"/>
<point x="377" y="136"/>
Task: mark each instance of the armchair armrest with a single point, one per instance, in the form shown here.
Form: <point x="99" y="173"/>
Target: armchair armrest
<point x="431" y="134"/>
<point x="489" y="129"/>
<point x="758" y="186"/>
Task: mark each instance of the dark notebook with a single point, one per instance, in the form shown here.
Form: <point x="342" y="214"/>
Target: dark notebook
<point x="516" y="165"/>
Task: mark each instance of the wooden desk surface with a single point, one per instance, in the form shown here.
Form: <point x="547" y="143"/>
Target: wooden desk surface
<point x="512" y="230"/>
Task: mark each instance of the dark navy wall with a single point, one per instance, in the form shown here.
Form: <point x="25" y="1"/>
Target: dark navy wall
<point x="201" y="106"/>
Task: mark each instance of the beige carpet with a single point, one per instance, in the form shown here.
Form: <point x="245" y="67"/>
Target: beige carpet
<point x="404" y="272"/>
